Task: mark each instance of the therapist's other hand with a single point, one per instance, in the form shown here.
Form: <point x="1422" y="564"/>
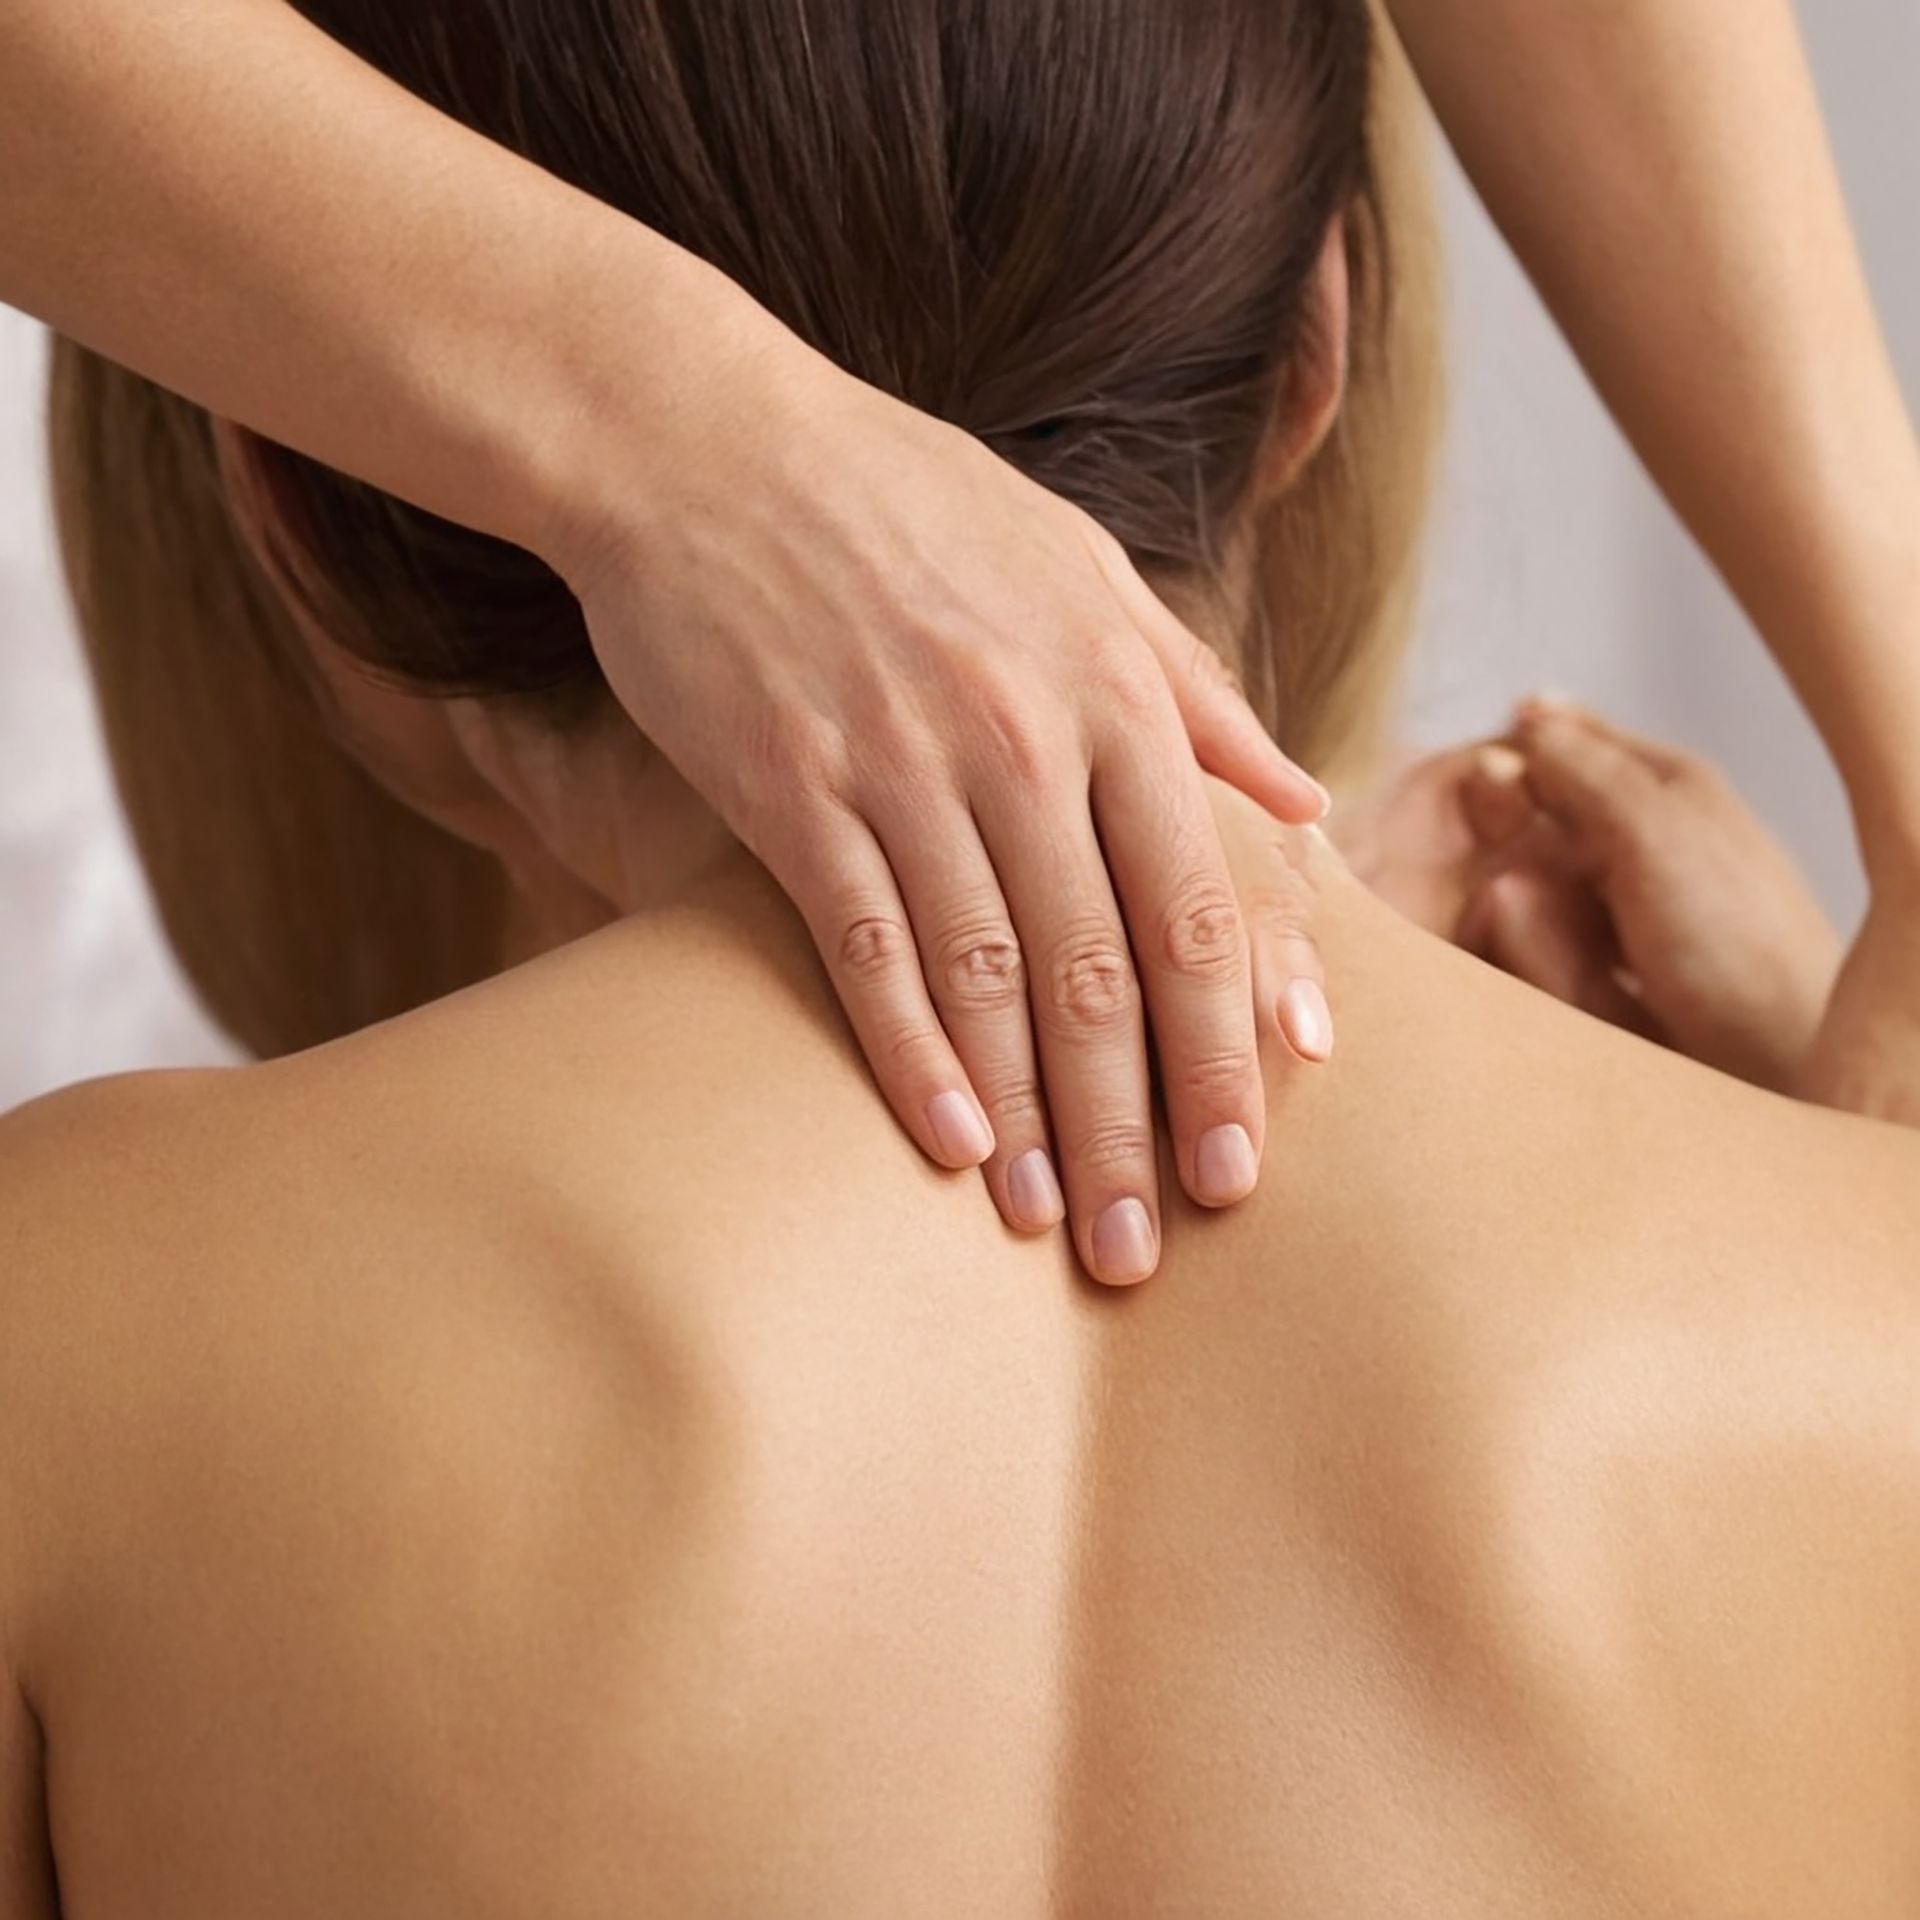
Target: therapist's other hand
<point x="1434" y="833"/>
<point x="1658" y="899"/>
<point x="943" y="710"/>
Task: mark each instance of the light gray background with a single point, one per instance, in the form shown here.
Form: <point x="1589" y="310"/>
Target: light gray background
<point x="1555" y="566"/>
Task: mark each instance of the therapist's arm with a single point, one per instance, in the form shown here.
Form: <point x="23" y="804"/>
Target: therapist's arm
<point x="215" y="194"/>
<point x="1661" y="168"/>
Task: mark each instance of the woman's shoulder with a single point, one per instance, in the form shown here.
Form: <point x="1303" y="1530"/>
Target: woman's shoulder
<point x="96" y="1181"/>
<point x="92" y="1161"/>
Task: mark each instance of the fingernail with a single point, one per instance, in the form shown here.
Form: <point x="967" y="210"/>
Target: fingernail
<point x="1034" y="1191"/>
<point x="1501" y="764"/>
<point x="1307" y="1020"/>
<point x="1123" y="1248"/>
<point x="960" y="1130"/>
<point x="1224" y="1168"/>
<point x="1322" y="795"/>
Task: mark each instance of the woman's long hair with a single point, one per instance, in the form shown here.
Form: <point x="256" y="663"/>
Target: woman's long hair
<point x="1084" y="230"/>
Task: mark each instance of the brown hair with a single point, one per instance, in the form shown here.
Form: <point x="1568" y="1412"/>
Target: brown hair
<point x="1084" y="230"/>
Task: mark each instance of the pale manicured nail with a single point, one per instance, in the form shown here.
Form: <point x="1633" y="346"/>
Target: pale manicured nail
<point x="1324" y="796"/>
<point x="1034" y="1191"/>
<point x="1224" y="1167"/>
<point x="960" y="1130"/>
<point x="1307" y="1020"/>
<point x="1123" y="1247"/>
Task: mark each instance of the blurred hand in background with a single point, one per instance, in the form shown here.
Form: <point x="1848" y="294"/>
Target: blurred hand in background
<point x="1621" y="875"/>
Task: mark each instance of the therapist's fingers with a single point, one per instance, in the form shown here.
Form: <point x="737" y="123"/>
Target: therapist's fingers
<point x="1189" y="937"/>
<point x="1088" y="1019"/>
<point x="1270" y="872"/>
<point x="839" y="876"/>
<point x="1659" y="757"/>
<point x="977" y="975"/>
<point x="1606" y="794"/>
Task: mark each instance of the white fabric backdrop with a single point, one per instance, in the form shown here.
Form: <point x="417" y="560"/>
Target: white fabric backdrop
<point x="1555" y="566"/>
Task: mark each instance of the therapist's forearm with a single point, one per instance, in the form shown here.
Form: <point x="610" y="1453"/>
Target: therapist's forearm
<point x="217" y="195"/>
<point x="1661" y="168"/>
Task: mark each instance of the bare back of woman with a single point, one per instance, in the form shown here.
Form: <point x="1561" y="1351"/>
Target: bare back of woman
<point x="432" y="1485"/>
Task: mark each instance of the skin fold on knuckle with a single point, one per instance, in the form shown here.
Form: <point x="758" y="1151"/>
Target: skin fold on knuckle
<point x="1013" y="1101"/>
<point x="1090" y="986"/>
<point x="980" y="969"/>
<point x="1221" y="1080"/>
<point x="911" y="1054"/>
<point x="873" y="948"/>
<point x="1113" y="1152"/>
<point x="1201" y="935"/>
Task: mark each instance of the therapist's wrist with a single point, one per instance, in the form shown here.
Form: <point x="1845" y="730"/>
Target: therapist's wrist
<point x="1886" y="816"/>
<point x="665" y="376"/>
<point x="1891" y="850"/>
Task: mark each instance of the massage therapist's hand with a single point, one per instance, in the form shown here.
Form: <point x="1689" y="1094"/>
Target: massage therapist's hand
<point x="1432" y="835"/>
<point x="1657" y="898"/>
<point x="943" y="710"/>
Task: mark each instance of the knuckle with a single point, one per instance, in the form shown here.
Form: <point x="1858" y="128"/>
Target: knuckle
<point x="788" y="804"/>
<point x="1114" y="1147"/>
<point x="981" y="969"/>
<point x="1090" y="983"/>
<point x="1127" y="674"/>
<point x="804" y="753"/>
<point x="1013" y="1101"/>
<point x="800" y="837"/>
<point x="912" y="1050"/>
<point x="1201" y="935"/>
<point x="1016" y="740"/>
<point x="892" y="730"/>
<point x="873" y="946"/>
<point x="1221" y="1076"/>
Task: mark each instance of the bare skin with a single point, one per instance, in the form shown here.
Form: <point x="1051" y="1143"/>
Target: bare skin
<point x="565" y="1452"/>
